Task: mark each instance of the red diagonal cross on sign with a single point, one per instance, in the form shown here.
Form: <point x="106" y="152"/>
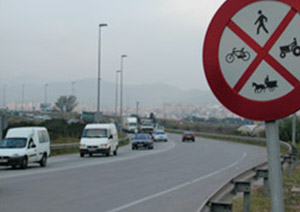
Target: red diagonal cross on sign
<point x="263" y="52"/>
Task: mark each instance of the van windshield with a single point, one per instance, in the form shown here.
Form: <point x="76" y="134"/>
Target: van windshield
<point x="13" y="143"/>
<point x="95" y="133"/>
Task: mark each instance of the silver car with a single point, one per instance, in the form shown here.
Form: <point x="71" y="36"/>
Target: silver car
<point x="142" y="141"/>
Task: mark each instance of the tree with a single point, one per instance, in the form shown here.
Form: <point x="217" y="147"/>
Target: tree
<point x="152" y="116"/>
<point x="66" y="103"/>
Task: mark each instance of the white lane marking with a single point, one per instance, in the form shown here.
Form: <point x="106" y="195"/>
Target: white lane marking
<point x="89" y="164"/>
<point x="177" y="187"/>
<point x="244" y="156"/>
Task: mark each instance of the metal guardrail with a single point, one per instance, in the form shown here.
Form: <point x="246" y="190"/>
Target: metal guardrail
<point x="73" y="145"/>
<point x="220" y="200"/>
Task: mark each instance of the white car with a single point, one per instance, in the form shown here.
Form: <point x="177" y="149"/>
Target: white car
<point x="25" y="145"/>
<point x="160" y="136"/>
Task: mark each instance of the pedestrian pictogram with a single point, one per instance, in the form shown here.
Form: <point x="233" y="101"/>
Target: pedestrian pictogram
<point x="250" y="57"/>
<point x="293" y="47"/>
<point x="260" y="22"/>
<point x="239" y="54"/>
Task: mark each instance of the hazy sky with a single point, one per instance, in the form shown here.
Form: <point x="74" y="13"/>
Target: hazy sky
<point x="57" y="40"/>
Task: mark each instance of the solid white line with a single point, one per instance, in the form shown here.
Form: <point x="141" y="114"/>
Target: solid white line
<point x="42" y="171"/>
<point x="176" y="187"/>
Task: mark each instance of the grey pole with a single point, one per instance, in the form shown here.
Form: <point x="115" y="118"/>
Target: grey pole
<point x="1" y="128"/>
<point x="294" y="130"/>
<point x="4" y="96"/>
<point x="137" y="108"/>
<point x="275" y="173"/>
<point x="23" y="87"/>
<point x="121" y="93"/>
<point x="72" y="88"/>
<point x="46" y="98"/>
<point x="117" y="87"/>
<point x="99" y="77"/>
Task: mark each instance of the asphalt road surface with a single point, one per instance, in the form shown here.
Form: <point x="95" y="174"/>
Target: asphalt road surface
<point x="174" y="177"/>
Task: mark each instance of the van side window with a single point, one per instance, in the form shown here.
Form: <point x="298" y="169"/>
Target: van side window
<point x="46" y="137"/>
<point x="41" y="137"/>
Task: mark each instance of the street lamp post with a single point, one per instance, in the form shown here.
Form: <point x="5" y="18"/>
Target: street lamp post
<point x="121" y="93"/>
<point x="46" y="98"/>
<point x="117" y="87"/>
<point x="72" y="88"/>
<point x="4" y="96"/>
<point x="23" y="88"/>
<point x="137" y="108"/>
<point x="99" y="78"/>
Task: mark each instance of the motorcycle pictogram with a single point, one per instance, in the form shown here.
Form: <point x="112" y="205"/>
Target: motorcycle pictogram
<point x="293" y="47"/>
<point x="240" y="54"/>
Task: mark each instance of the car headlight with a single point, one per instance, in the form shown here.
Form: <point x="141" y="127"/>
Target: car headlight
<point x="82" y="146"/>
<point x="15" y="155"/>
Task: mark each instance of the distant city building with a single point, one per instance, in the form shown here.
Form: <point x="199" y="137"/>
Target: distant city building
<point x="45" y="108"/>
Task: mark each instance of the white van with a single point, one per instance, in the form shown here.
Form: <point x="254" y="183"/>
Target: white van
<point x="99" y="138"/>
<point x="25" y="145"/>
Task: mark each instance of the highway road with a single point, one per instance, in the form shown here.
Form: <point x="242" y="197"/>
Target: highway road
<point x="174" y="177"/>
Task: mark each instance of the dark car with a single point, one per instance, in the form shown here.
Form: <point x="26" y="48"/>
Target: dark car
<point x="188" y="136"/>
<point x="142" y="141"/>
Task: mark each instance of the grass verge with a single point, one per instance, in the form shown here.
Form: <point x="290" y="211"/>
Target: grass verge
<point x="261" y="203"/>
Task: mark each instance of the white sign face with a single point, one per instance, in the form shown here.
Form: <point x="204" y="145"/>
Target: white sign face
<point x="259" y="51"/>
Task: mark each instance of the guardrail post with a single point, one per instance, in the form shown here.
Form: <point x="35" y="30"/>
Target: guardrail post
<point x="295" y="156"/>
<point x="263" y="173"/>
<point x="288" y="160"/>
<point x="290" y="166"/>
<point x="282" y="169"/>
<point x="244" y="187"/>
<point x="295" y="161"/>
<point x="221" y="207"/>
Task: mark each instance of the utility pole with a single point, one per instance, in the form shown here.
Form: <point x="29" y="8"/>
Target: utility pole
<point x="137" y="108"/>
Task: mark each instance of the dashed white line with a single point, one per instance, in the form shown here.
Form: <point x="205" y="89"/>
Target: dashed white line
<point x="89" y="164"/>
<point x="131" y="204"/>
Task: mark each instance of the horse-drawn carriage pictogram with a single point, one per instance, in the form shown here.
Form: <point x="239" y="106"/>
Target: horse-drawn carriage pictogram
<point x="270" y="85"/>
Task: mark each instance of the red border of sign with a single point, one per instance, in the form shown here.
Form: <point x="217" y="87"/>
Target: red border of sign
<point x="255" y="110"/>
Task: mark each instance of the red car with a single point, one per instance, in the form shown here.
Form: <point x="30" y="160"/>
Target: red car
<point x="188" y="136"/>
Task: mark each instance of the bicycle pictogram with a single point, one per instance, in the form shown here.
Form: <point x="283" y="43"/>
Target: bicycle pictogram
<point x="293" y="47"/>
<point x="239" y="54"/>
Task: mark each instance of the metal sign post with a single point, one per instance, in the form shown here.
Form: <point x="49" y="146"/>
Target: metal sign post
<point x="1" y="128"/>
<point x="294" y="130"/>
<point x="275" y="173"/>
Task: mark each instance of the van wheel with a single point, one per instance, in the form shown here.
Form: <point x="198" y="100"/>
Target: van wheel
<point x="43" y="161"/>
<point x="24" y="163"/>
<point x="82" y="155"/>
<point x="107" y="154"/>
<point x="13" y="166"/>
<point x="91" y="154"/>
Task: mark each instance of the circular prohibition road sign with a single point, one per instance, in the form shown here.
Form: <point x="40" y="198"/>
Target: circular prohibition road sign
<point x="251" y="57"/>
